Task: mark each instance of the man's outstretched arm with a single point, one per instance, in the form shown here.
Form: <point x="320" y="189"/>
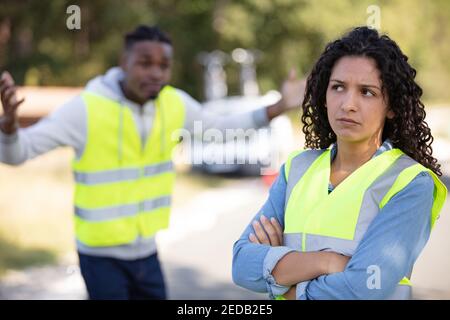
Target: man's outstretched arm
<point x="64" y="127"/>
<point x="292" y="92"/>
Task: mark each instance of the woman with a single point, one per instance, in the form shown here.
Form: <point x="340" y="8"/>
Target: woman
<point x="348" y="218"/>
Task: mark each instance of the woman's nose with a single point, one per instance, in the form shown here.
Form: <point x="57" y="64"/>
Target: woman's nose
<point x="350" y="102"/>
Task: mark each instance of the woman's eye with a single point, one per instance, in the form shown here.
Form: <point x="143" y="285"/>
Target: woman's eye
<point x="368" y="93"/>
<point x="337" y="87"/>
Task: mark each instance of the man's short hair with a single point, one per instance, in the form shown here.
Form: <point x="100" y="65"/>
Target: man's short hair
<point x="146" y="33"/>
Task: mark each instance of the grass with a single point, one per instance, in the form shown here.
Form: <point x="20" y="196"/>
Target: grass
<point x="13" y="256"/>
<point x="36" y="211"/>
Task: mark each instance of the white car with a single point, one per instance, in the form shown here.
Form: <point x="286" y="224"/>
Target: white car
<point x="247" y="152"/>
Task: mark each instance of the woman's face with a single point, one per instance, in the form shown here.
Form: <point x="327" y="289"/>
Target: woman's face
<point x="355" y="104"/>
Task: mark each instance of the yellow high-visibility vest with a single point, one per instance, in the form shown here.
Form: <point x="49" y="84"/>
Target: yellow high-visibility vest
<point x="123" y="188"/>
<point x="317" y="220"/>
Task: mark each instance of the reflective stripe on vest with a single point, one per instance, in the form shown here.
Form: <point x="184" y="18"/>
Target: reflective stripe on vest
<point x="115" y="212"/>
<point x="122" y="187"/>
<point x="121" y="174"/>
<point x="316" y="220"/>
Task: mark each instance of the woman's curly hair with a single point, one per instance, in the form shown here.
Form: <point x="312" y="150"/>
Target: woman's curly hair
<point x="407" y="131"/>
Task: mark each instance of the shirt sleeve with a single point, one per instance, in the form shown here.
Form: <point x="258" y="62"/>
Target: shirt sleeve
<point x="196" y="114"/>
<point x="66" y="126"/>
<point x="253" y="263"/>
<point x="390" y="246"/>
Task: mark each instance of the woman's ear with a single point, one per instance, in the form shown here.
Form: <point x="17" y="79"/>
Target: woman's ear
<point x="390" y="114"/>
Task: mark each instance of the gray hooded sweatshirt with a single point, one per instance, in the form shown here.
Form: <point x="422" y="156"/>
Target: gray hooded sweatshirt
<point x="67" y="126"/>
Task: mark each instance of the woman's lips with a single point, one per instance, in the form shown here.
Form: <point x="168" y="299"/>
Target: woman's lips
<point x="347" y="121"/>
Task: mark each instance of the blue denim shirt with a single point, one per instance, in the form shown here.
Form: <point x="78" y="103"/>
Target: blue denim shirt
<point x="392" y="242"/>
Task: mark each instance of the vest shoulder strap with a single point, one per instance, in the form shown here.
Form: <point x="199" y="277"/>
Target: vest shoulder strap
<point x="304" y="157"/>
<point x="174" y="109"/>
<point x="287" y="165"/>
<point x="296" y="165"/>
<point x="406" y="176"/>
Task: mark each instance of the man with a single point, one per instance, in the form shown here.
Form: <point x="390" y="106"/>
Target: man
<point x="121" y="128"/>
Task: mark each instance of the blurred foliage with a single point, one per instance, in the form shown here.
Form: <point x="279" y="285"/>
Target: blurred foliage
<point x="37" y="47"/>
<point x="13" y="256"/>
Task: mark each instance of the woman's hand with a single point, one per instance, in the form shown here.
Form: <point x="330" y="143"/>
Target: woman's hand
<point x="336" y="262"/>
<point x="267" y="232"/>
<point x="291" y="294"/>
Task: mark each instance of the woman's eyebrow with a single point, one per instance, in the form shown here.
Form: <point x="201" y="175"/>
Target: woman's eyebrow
<point x="361" y="85"/>
<point x="370" y="86"/>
